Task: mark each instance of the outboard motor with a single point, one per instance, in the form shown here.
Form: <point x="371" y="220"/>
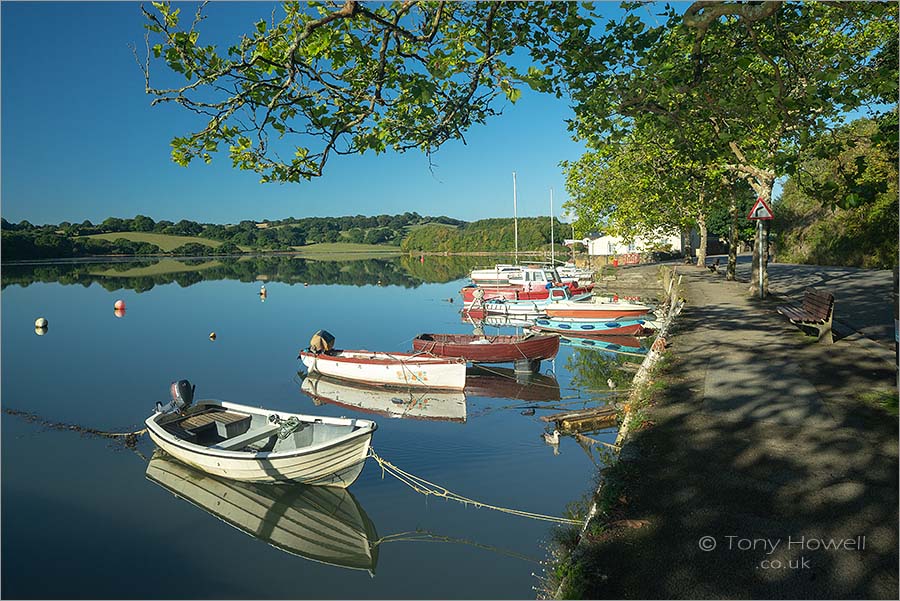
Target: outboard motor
<point x="182" y="393"/>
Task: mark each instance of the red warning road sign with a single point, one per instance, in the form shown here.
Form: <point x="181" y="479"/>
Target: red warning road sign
<point x="761" y="210"/>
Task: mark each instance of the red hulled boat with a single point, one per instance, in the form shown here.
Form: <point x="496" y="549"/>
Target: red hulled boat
<point x="488" y="349"/>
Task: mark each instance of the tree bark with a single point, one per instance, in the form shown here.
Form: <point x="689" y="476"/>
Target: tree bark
<point x="732" y="238"/>
<point x="701" y="250"/>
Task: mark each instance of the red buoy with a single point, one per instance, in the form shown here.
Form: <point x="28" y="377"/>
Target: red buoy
<point x="120" y="305"/>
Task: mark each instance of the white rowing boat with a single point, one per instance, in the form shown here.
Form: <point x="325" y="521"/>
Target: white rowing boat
<point x="252" y="444"/>
<point x="388" y="369"/>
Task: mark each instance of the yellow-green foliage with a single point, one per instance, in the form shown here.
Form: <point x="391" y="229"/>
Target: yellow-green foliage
<point x="164" y="241"/>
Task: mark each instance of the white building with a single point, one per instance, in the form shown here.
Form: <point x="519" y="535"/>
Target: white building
<point x="605" y="245"/>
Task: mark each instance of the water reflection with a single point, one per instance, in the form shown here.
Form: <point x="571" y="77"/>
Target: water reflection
<point x="321" y="523"/>
<point x="609" y="344"/>
<point x="505" y="383"/>
<point x="390" y="402"/>
<point x="143" y="274"/>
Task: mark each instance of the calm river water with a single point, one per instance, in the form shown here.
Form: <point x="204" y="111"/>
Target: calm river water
<point x="86" y="517"/>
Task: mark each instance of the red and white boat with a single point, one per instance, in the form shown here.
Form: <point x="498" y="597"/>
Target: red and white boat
<point x="595" y="308"/>
<point x="516" y="293"/>
<point x="388" y="369"/>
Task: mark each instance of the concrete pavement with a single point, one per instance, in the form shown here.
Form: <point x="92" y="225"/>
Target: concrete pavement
<point x="764" y="475"/>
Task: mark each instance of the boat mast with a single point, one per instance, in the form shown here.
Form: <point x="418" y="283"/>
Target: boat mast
<point x="515" y="219"/>
<point x="552" y="255"/>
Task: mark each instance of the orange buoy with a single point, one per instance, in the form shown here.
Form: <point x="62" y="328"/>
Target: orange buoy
<point x="120" y="305"/>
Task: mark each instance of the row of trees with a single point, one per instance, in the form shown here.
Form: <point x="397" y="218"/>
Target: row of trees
<point x="704" y="112"/>
<point x="24" y="240"/>
<point x="486" y="235"/>
<point x="685" y="117"/>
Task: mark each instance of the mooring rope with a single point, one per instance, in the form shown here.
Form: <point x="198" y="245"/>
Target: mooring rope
<point x="130" y="437"/>
<point x="427" y="488"/>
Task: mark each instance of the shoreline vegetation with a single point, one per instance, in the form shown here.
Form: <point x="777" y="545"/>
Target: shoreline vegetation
<point x="409" y="233"/>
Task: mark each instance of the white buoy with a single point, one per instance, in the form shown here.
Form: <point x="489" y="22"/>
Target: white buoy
<point x="40" y="322"/>
<point x="212" y="335"/>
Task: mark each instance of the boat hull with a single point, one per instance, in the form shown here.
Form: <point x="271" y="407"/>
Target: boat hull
<point x="498" y="349"/>
<point x="383" y="369"/>
<point x="335" y="462"/>
<point x="628" y="327"/>
<point x="519" y="293"/>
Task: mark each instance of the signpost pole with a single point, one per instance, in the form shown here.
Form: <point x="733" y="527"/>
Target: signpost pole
<point x="759" y="246"/>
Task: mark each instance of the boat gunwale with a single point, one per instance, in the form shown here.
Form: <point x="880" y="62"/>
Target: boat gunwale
<point x="367" y="428"/>
<point x="393" y="358"/>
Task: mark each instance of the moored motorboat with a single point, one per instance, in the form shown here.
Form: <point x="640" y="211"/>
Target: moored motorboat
<point x="595" y="308"/>
<point x="471" y="294"/>
<point x="498" y="276"/>
<point x="414" y="403"/>
<point x="252" y="444"/>
<point x="319" y="523"/>
<point x="488" y="349"/>
<point x="623" y="326"/>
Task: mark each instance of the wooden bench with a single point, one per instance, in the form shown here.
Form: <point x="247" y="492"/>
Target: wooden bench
<point x="815" y="312"/>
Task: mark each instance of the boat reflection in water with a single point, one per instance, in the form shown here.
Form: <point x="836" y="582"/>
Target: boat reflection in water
<point x="414" y="403"/>
<point x="505" y="383"/>
<point x="612" y="344"/>
<point x="321" y="523"/>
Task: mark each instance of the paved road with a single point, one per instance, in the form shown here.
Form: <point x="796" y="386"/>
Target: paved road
<point x="863" y="297"/>
<point x="761" y="441"/>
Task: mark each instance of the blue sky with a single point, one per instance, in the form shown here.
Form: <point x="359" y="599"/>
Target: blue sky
<point x="81" y="141"/>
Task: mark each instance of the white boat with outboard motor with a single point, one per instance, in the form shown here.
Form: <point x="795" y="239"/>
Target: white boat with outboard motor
<point x="252" y="444"/>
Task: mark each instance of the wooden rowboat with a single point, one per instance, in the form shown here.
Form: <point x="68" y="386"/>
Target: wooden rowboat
<point x="628" y="327"/>
<point x="250" y="444"/>
<point x="319" y="523"/>
<point x="488" y="349"/>
<point x="388" y="369"/>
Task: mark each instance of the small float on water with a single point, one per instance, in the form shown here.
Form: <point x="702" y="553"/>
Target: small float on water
<point x="251" y="444"/>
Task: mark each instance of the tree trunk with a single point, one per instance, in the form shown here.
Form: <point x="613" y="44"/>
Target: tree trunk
<point x="732" y="238"/>
<point x="688" y="246"/>
<point x="701" y="250"/>
<point x="760" y="260"/>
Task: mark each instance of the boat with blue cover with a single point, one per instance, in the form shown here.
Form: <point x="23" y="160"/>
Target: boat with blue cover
<point x="628" y="327"/>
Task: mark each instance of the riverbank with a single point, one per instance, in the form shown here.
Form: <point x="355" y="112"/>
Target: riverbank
<point x="757" y="468"/>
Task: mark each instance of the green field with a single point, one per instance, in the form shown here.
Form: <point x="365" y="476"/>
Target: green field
<point x="338" y="248"/>
<point x="165" y="266"/>
<point x="164" y="241"/>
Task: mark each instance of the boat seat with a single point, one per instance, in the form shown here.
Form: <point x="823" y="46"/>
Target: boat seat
<point x="247" y="438"/>
<point x="226" y="423"/>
